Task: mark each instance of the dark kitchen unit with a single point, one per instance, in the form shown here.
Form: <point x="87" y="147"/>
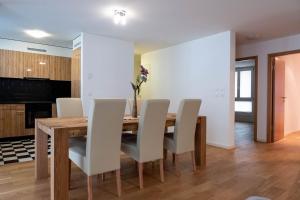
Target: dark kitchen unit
<point x="36" y="110"/>
<point x="33" y="98"/>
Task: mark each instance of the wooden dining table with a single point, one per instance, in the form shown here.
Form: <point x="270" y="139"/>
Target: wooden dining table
<point x="60" y="129"/>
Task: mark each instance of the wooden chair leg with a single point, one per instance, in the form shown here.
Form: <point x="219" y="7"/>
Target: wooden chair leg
<point x="165" y="154"/>
<point x="153" y="164"/>
<point x="90" y="187"/>
<point x="193" y="160"/>
<point x="141" y="179"/>
<point x="69" y="178"/>
<point x="161" y="168"/>
<point x="173" y="158"/>
<point x="176" y="163"/>
<point x="118" y="179"/>
<point x="101" y="177"/>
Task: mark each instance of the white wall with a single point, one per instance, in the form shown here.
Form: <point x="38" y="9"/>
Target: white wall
<point x="106" y="68"/>
<point x="202" y="68"/>
<point x="262" y="49"/>
<point x="292" y="92"/>
<point x="22" y="46"/>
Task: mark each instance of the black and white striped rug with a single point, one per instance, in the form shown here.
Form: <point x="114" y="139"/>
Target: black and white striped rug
<point x="17" y="150"/>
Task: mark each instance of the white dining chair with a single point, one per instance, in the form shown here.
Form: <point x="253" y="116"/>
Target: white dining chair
<point x="69" y="107"/>
<point x="147" y="144"/>
<point x="183" y="138"/>
<point x="101" y="151"/>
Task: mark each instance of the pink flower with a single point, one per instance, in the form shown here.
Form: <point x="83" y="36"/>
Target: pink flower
<point x="144" y="71"/>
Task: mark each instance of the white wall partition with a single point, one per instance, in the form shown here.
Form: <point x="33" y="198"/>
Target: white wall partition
<point x="202" y="68"/>
<point x="262" y="49"/>
<point x="106" y="68"/>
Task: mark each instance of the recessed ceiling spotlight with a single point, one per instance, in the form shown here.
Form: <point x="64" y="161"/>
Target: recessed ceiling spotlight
<point x="120" y="17"/>
<point x="37" y="33"/>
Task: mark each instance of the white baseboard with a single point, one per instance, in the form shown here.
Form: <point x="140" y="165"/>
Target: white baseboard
<point x="221" y="146"/>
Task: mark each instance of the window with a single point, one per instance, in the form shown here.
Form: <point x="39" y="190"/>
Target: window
<point x="243" y="89"/>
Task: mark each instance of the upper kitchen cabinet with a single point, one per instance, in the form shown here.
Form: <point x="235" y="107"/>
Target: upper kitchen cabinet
<point x="75" y="73"/>
<point x="36" y="65"/>
<point x="60" y="68"/>
<point x="11" y="64"/>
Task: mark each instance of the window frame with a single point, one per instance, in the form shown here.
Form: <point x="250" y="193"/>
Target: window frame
<point x="238" y="70"/>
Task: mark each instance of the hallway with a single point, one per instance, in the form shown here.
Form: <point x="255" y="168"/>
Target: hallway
<point x="243" y="133"/>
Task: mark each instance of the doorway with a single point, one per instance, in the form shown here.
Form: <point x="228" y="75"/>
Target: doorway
<point x="246" y="100"/>
<point x="283" y="106"/>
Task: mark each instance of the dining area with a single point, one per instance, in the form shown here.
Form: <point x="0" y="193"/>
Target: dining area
<point x="98" y="141"/>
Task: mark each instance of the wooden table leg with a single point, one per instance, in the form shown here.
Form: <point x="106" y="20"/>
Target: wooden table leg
<point x="41" y="154"/>
<point x="200" y="143"/>
<point x="59" y="165"/>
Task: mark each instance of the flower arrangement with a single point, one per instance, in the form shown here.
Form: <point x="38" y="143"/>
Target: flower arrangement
<point x="140" y="79"/>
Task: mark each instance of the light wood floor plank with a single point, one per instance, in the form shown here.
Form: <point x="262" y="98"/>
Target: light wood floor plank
<point x="270" y="170"/>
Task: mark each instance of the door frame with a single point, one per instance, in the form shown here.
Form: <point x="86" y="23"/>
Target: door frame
<point x="270" y="110"/>
<point x="255" y="58"/>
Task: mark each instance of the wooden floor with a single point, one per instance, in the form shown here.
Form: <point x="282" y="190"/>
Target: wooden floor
<point x="243" y="134"/>
<point x="270" y="170"/>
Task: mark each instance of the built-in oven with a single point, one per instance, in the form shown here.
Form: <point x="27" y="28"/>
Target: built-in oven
<point x="36" y="110"/>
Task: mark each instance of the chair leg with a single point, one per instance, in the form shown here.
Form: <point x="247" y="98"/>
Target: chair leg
<point x="165" y="154"/>
<point x="102" y="178"/>
<point x="118" y="179"/>
<point x="173" y="158"/>
<point x="161" y="168"/>
<point x="141" y="179"/>
<point x="69" y="177"/>
<point x="153" y="164"/>
<point x="193" y="160"/>
<point x="90" y="187"/>
<point x="176" y="159"/>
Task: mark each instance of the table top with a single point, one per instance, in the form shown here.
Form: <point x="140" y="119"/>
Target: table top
<point x="81" y="122"/>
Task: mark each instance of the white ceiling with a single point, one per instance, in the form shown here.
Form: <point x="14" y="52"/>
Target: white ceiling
<point x="153" y="24"/>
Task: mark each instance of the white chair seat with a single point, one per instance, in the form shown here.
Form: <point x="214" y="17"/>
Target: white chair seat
<point x="77" y="151"/>
<point x="74" y="140"/>
<point x="169" y="142"/>
<point x="129" y="145"/>
<point x="78" y="145"/>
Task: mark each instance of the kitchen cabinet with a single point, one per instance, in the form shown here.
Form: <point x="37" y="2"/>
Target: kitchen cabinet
<point x="60" y="68"/>
<point x="11" y="64"/>
<point x="36" y="65"/>
<point x="75" y="73"/>
<point x="12" y="120"/>
<point x="15" y="64"/>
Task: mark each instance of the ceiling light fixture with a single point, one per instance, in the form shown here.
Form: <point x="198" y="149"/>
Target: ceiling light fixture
<point x="37" y="33"/>
<point x="120" y="17"/>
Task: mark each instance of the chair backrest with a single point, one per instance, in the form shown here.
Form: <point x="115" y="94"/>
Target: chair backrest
<point x="105" y="121"/>
<point x="186" y="120"/>
<point x="69" y="107"/>
<point x="151" y="129"/>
